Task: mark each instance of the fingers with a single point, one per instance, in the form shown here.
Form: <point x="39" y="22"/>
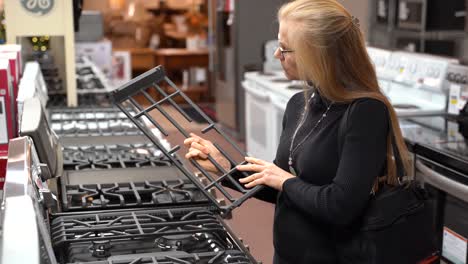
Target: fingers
<point x="251" y="178"/>
<point x="200" y="147"/>
<point x="200" y="139"/>
<point x="189" y="141"/>
<point x="250" y="167"/>
<point x="255" y="183"/>
<point x="255" y="160"/>
<point x="194" y="153"/>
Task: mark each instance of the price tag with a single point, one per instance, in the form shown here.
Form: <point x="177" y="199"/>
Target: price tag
<point x="454" y="99"/>
<point x="454" y="246"/>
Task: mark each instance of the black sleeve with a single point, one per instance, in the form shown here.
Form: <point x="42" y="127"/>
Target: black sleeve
<point x="362" y="159"/>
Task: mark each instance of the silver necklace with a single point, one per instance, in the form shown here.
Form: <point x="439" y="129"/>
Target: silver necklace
<point x="300" y="124"/>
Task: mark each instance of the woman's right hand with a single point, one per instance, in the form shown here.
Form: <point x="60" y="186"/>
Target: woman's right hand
<point x="200" y="148"/>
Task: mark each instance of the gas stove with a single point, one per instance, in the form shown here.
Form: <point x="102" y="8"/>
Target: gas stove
<point x="194" y="235"/>
<point x="84" y="100"/>
<point x="125" y="203"/>
<point x="131" y="195"/>
<point x="113" y="156"/>
<point x="89" y="78"/>
<point x="85" y="122"/>
<point x="49" y="70"/>
<point x="97" y="177"/>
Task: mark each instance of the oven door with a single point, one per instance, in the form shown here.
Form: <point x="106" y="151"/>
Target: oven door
<point x="257" y="116"/>
<point x="450" y="189"/>
<point x="412" y="14"/>
<point x="278" y="107"/>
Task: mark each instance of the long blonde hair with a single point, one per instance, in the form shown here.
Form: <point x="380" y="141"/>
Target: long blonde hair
<point x="331" y="52"/>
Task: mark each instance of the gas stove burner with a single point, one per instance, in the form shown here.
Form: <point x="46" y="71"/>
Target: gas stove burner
<point x="113" y="156"/>
<point x="100" y="249"/>
<point x="84" y="71"/>
<point x="195" y="235"/>
<point x="189" y="243"/>
<point x="406" y="106"/>
<point x="116" y="127"/>
<point x="95" y="100"/>
<point x="91" y="83"/>
<point x="131" y="194"/>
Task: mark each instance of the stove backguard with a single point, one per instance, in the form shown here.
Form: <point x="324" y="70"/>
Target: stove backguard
<point x="137" y="95"/>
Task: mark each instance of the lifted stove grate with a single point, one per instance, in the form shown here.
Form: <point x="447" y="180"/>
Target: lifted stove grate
<point x="136" y="99"/>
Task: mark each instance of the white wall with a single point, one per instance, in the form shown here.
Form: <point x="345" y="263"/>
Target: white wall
<point x="359" y="9"/>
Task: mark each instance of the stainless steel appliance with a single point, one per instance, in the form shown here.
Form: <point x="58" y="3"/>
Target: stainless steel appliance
<point x="106" y="188"/>
<point x="240" y="30"/>
<point x="425" y="15"/>
<point x="36" y="126"/>
<point x="440" y="150"/>
<point x="190" y="234"/>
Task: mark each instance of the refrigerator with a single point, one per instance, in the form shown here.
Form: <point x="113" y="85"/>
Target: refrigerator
<point x="238" y="31"/>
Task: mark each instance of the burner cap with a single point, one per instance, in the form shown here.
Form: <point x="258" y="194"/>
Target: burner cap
<point x="100" y="249"/>
<point x="99" y="201"/>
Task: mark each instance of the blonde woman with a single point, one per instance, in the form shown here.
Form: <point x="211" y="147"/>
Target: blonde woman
<point x="319" y="190"/>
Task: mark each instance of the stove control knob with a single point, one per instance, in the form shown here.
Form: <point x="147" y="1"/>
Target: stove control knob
<point x="458" y="78"/>
<point x="464" y="79"/>
<point x="450" y="76"/>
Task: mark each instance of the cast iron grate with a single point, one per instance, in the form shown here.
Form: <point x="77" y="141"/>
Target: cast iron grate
<point x="155" y="81"/>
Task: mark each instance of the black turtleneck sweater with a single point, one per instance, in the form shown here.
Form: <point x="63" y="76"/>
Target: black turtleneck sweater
<point x="331" y="188"/>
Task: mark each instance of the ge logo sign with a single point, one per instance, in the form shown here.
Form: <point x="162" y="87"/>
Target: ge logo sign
<point x="38" y="7"/>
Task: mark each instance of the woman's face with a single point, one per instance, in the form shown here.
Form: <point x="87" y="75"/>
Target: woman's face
<point x="288" y="56"/>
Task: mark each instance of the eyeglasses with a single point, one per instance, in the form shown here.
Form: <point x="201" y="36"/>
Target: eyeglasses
<point x="283" y="51"/>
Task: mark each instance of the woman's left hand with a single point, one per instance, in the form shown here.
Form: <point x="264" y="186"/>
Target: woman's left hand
<point x="266" y="173"/>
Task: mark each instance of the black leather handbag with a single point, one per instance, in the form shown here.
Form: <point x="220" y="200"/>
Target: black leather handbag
<point x="397" y="225"/>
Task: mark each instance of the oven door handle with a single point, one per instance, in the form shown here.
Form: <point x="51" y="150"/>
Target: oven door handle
<point x="446" y="184"/>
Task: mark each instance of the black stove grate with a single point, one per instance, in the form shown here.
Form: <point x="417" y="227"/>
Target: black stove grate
<point x="156" y="82"/>
<point x="113" y="156"/>
<point x="222" y="257"/>
<point x="195" y="235"/>
<point x="131" y="195"/>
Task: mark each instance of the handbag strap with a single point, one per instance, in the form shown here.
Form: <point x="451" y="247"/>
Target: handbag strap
<point x="342" y="133"/>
